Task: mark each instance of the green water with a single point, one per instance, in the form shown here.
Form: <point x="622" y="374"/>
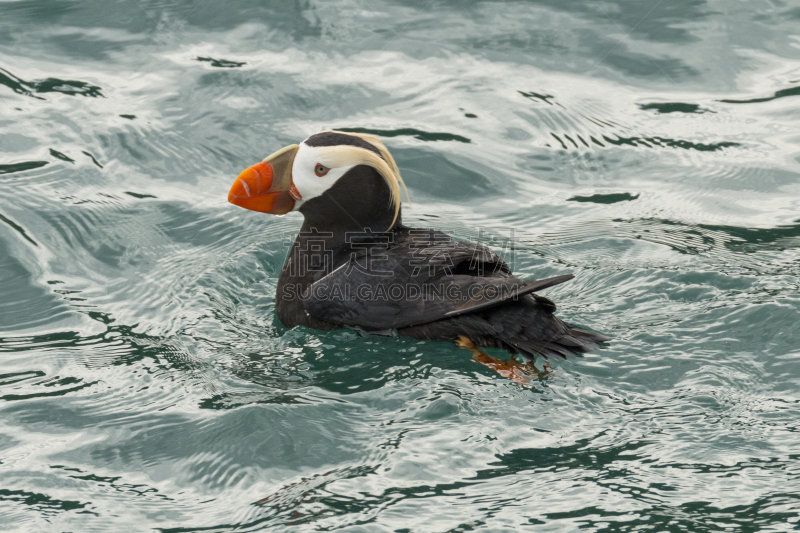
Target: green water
<point x="650" y="148"/>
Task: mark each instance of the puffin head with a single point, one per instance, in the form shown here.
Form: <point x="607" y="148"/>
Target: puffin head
<point x="336" y="179"/>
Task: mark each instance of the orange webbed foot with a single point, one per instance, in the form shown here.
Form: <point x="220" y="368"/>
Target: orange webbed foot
<point x="511" y="368"/>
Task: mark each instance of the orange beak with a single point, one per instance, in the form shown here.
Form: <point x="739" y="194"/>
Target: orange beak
<point x="267" y="187"/>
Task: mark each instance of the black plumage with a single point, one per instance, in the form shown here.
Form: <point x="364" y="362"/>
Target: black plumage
<point x="354" y="265"/>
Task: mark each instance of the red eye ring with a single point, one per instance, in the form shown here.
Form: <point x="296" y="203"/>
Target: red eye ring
<point x="320" y="169"/>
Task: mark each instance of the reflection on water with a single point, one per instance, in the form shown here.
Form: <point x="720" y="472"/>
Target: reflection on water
<point x="650" y="149"/>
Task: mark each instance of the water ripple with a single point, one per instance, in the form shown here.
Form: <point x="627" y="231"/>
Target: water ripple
<point x="650" y="151"/>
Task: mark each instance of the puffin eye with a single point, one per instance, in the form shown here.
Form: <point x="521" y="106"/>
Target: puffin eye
<point x="320" y="170"/>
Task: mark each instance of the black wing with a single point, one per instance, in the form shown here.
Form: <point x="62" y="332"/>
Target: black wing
<point x="412" y="284"/>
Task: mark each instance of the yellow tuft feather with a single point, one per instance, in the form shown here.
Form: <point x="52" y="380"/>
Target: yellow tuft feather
<point x="344" y="155"/>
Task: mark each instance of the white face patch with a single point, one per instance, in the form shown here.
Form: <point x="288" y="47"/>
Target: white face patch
<point x="308" y="184"/>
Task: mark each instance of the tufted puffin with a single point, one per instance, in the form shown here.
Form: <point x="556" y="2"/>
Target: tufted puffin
<point x="355" y="264"/>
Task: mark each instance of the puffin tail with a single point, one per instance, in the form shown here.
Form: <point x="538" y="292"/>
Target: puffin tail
<point x="582" y="340"/>
<point x="574" y="342"/>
